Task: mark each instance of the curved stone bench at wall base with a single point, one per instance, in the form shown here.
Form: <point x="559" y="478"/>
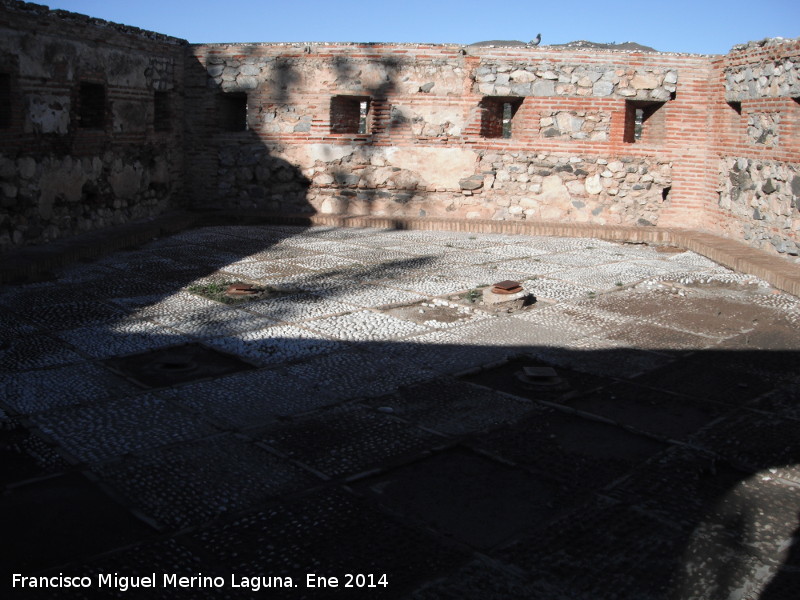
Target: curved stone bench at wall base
<point x="38" y="262"/>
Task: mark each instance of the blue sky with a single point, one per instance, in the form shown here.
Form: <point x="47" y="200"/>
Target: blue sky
<point x="696" y="26"/>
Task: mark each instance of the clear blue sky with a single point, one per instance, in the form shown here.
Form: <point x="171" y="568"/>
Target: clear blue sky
<point x="696" y="26"/>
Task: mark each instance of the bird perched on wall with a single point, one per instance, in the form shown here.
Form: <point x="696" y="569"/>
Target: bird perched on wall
<point x="535" y="42"/>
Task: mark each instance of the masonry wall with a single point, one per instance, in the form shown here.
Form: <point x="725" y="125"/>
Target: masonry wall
<point x="101" y="124"/>
<point x="756" y="145"/>
<point x="430" y="146"/>
<point x="82" y="145"/>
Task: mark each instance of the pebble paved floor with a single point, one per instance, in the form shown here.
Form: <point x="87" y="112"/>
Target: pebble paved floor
<point x="364" y="417"/>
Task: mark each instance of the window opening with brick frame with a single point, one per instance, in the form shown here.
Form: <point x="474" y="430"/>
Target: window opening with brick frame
<point x="233" y="111"/>
<point x="644" y="121"/>
<point x="92" y="105"/>
<point x="162" y="113"/>
<point x="350" y="114"/>
<point x="497" y="115"/>
<point x="5" y="101"/>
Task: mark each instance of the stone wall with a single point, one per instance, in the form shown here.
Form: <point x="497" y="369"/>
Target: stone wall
<point x="543" y="78"/>
<point x="764" y="197"/>
<point x="759" y="146"/>
<point x="767" y="72"/>
<point x="425" y="150"/>
<point x="575" y="125"/>
<point x="607" y="191"/>
<point x="600" y="136"/>
<point x="59" y="174"/>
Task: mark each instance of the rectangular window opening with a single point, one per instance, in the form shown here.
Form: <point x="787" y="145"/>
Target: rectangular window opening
<point x="736" y="106"/>
<point x="350" y="114"/>
<point x="162" y="117"/>
<point x="92" y="105"/>
<point x="497" y="116"/>
<point x="233" y="111"/>
<point x="644" y="121"/>
<point x="5" y="101"/>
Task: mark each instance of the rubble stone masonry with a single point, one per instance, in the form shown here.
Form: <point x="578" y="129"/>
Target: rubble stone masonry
<point x="507" y="133"/>
<point x="80" y="149"/>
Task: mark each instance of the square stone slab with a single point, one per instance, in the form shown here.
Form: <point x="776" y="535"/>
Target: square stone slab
<point x="648" y="410"/>
<point x="110" y="429"/>
<point x="454" y="407"/>
<point x="348" y="441"/>
<point x="474" y="499"/>
<point x="580" y="452"/>
<point x="61" y="519"/>
<point x="193" y="483"/>
<point x="328" y="533"/>
<point x="44" y="389"/>
<point x="24" y="454"/>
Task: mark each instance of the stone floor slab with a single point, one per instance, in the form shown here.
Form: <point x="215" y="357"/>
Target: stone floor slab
<point x="193" y="483"/>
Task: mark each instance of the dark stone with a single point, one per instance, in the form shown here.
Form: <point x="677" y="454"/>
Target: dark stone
<point x="796" y="185"/>
<point x="471" y="183"/>
<point x="768" y="187"/>
<point x="256" y="192"/>
<point x="427" y="87"/>
<point x="757" y="215"/>
<point x="741" y="179"/>
<point x="552" y="132"/>
<point x="287" y="174"/>
<point x="645" y="223"/>
<point x="778" y="243"/>
<point x="346" y="178"/>
<point x="397" y="117"/>
<point x="248" y="159"/>
<point x="578" y="204"/>
<point x="564" y="168"/>
<point x="581" y="172"/>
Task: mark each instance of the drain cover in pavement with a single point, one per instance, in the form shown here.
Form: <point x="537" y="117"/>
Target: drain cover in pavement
<point x="176" y="364"/>
<point x="532" y="379"/>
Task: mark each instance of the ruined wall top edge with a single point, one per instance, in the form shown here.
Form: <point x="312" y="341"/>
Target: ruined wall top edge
<point x="765" y="43"/>
<point x="467" y="49"/>
<point x="39" y="11"/>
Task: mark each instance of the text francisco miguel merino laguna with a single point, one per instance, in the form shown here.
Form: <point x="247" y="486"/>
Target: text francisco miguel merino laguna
<point x="171" y="580"/>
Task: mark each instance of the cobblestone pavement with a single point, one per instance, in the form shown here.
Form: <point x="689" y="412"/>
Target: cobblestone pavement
<point x="365" y="414"/>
